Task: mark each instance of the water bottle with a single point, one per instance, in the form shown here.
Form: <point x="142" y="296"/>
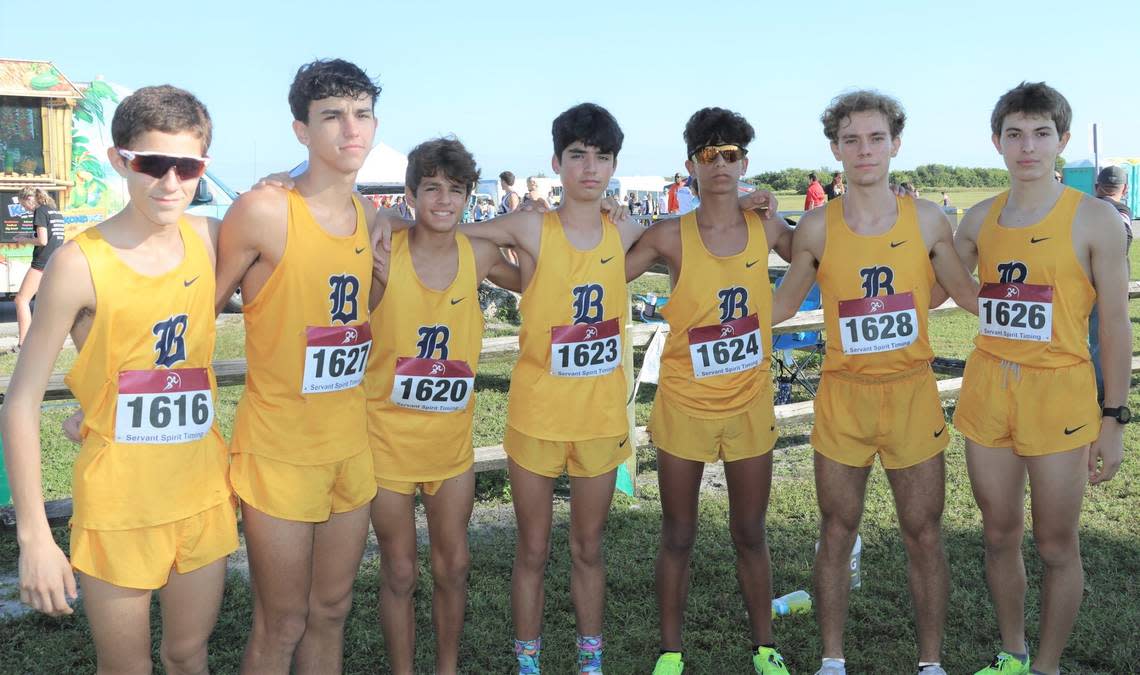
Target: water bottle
<point x="796" y="602"/>
<point x="855" y="565"/>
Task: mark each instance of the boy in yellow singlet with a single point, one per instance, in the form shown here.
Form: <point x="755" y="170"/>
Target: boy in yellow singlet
<point x="1045" y="254"/>
<point x="153" y="509"/>
<point x="877" y="257"/>
<point x="428" y="328"/>
<point x="714" y="400"/>
<point x="300" y="457"/>
<point x="567" y="400"/>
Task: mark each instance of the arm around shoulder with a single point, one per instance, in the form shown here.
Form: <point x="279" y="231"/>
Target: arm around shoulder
<point x="506" y="230"/>
<point x="952" y="278"/>
<point x="649" y="247"/>
<point x="492" y="265"/>
<point x="243" y="236"/>
<point x="806" y="250"/>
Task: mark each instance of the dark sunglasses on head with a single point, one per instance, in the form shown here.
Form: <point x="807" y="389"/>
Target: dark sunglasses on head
<point x="157" y="165"/>
<point x="731" y="153"/>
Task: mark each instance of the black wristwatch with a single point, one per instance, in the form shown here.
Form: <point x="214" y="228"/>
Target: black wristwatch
<point x="1122" y="414"/>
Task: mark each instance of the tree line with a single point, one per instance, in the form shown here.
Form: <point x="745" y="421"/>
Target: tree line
<point x="925" y="176"/>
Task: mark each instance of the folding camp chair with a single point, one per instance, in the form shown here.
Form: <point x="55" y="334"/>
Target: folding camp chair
<point x="647" y="306"/>
<point x="790" y="367"/>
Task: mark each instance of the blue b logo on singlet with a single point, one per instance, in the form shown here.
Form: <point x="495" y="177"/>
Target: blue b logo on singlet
<point x="733" y="303"/>
<point x="587" y="303"/>
<point x="433" y="339"/>
<point x="877" y="278"/>
<point x="1012" y="272"/>
<point x="343" y="297"/>
<point x="171" y="343"/>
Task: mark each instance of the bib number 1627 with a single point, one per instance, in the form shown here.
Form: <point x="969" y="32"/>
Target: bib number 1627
<point x="335" y="357"/>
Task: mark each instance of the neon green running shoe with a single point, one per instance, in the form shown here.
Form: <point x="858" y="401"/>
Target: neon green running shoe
<point x="1005" y="664"/>
<point x="669" y="663"/>
<point x="767" y="661"/>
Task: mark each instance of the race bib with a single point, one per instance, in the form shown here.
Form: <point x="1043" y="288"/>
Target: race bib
<point x="335" y="357"/>
<point x="879" y="324"/>
<point x="730" y="347"/>
<point x="1016" y="311"/>
<point x="433" y="385"/>
<point x="585" y="349"/>
<point x="163" y="406"/>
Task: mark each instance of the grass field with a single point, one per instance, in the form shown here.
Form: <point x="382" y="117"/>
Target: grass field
<point x="880" y="632"/>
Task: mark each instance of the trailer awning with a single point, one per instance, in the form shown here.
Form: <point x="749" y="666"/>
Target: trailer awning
<point x="36" y="79"/>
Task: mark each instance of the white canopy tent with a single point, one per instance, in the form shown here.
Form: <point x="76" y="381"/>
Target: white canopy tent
<point x="383" y="171"/>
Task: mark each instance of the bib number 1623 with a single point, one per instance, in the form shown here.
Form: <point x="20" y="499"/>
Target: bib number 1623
<point x="585" y="350"/>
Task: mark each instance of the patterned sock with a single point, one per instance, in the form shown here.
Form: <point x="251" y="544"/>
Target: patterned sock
<point x="923" y="665"/>
<point x="589" y="653"/>
<point x="528" y="652"/>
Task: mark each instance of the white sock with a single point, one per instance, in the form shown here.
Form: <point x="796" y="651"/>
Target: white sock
<point x="841" y="664"/>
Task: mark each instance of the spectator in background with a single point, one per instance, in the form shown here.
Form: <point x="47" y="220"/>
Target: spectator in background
<point x="532" y="196"/>
<point x="910" y="190"/>
<point x="484" y="209"/>
<point x="673" y="204"/>
<point x="815" y="194"/>
<point x="47" y="236"/>
<point x="1111" y="185"/>
<point x="511" y="199"/>
<point x="945" y="199"/>
<point x="406" y="212"/>
<point x="835" y="187"/>
<point x="687" y="195"/>
<point x="1058" y="177"/>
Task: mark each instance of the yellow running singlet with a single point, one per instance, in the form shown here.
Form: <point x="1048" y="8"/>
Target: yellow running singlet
<point x="717" y="356"/>
<point x="1035" y="301"/>
<point x="421" y="380"/>
<point x="876" y="294"/>
<point x="307" y="344"/>
<point x="152" y="452"/>
<point x="569" y="384"/>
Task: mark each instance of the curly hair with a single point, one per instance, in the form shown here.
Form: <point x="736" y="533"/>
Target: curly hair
<point x="325" y="78"/>
<point x="863" y="100"/>
<point x="590" y="124"/>
<point x="715" y="126"/>
<point x="163" y="108"/>
<point x="1033" y="98"/>
<point x="38" y="195"/>
<point x="445" y="155"/>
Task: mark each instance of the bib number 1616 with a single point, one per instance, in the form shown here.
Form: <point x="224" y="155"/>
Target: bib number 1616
<point x="163" y="406"/>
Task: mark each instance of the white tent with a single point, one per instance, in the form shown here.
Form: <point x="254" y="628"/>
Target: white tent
<point x="384" y="168"/>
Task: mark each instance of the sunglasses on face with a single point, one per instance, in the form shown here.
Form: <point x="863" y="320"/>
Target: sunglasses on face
<point x="157" y="165"/>
<point x="731" y="153"/>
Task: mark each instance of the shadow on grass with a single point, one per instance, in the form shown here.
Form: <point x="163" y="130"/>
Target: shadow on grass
<point x="880" y="634"/>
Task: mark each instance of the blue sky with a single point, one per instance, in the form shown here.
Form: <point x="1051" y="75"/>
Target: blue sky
<point x="496" y="73"/>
